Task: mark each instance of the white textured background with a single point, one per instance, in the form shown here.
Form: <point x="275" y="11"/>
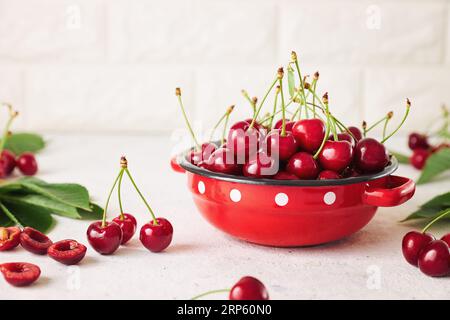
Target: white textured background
<point x="111" y="66"/>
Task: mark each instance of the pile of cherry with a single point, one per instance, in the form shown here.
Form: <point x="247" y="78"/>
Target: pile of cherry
<point x="317" y="146"/>
<point x="422" y="149"/>
<point x="20" y="274"/>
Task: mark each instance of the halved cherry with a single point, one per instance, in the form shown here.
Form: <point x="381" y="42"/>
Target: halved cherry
<point x="34" y="241"/>
<point x="20" y="274"/>
<point x="9" y="238"/>
<point x="68" y="251"/>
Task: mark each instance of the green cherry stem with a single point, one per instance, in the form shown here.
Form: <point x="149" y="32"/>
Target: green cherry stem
<point x="155" y="222"/>
<point x="247" y="97"/>
<point x="277" y="92"/>
<point x="109" y="196"/>
<point x="388" y="118"/>
<point x="376" y="124"/>
<point x="262" y="103"/>
<point x="210" y="292"/>
<point x="439" y="217"/>
<point x="188" y="124"/>
<point x="408" y="107"/>
<point x="220" y="121"/>
<point x="227" y="118"/>
<point x="295" y="60"/>
<point x="10" y="215"/>
<point x="12" y="115"/>
<point x="119" y="195"/>
<point x="283" y="108"/>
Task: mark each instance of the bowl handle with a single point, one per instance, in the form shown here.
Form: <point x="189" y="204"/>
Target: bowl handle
<point x="175" y="165"/>
<point x="392" y="191"/>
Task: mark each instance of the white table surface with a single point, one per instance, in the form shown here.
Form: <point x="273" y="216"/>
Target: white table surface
<point x="202" y="258"/>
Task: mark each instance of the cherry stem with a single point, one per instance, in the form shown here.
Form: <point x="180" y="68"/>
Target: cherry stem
<point x="439" y="217"/>
<point x="301" y="79"/>
<point x="219" y="122"/>
<point x="325" y="138"/>
<point x="178" y="94"/>
<point x="224" y="131"/>
<point x="314" y="85"/>
<point x="408" y="106"/>
<point x="262" y="102"/>
<point x="247" y="97"/>
<point x="385" y="126"/>
<point x="119" y="195"/>
<point x="283" y="109"/>
<point x="10" y="215"/>
<point x="275" y="102"/>
<point x="210" y="292"/>
<point x="12" y="115"/>
<point x="376" y="124"/>
<point x="155" y="222"/>
<point x="109" y="197"/>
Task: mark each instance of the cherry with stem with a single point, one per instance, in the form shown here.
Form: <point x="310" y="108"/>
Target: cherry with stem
<point x="188" y="124"/>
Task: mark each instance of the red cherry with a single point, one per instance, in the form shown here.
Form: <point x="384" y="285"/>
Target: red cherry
<point x="434" y="259"/>
<point x="222" y="160"/>
<point x="20" y="274"/>
<point x="7" y="163"/>
<point x="27" y="164"/>
<point x="9" y="238"/>
<point x="309" y="133"/>
<point x="281" y="146"/>
<point x="249" y="288"/>
<point x="128" y="225"/>
<point x="356" y="133"/>
<point x="336" y="155"/>
<point x="370" y="155"/>
<point x="419" y="158"/>
<point x="328" y="174"/>
<point x="104" y="239"/>
<point x="67" y="252"/>
<point x="195" y="157"/>
<point x="418" y="141"/>
<point x="156" y="237"/>
<point x="303" y="165"/>
<point x="283" y="175"/>
<point x="256" y="125"/>
<point x="413" y="242"/>
<point x="207" y="149"/>
<point x="446" y="239"/>
<point x="34" y="241"/>
<point x="343" y="136"/>
<point x="261" y="165"/>
<point x="289" y="125"/>
<point x="243" y="140"/>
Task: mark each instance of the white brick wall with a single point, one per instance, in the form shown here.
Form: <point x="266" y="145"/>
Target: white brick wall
<point x="112" y="65"/>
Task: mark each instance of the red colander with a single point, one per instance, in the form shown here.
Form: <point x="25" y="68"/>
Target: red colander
<point x="286" y="213"/>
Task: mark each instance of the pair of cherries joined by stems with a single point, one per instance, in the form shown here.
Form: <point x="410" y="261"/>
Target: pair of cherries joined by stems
<point x="422" y="250"/>
<point x="308" y="148"/>
<point x="106" y="237"/>
<point x="26" y="162"/>
<point x="68" y="252"/>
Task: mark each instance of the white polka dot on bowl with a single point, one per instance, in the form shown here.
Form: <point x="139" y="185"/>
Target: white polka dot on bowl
<point x="329" y="198"/>
<point x="281" y="199"/>
<point x="201" y="187"/>
<point x="235" y="195"/>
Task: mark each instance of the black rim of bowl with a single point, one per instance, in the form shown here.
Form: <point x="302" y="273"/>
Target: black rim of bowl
<point x="389" y="169"/>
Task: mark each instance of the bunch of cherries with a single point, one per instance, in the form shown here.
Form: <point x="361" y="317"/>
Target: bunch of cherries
<point x="318" y="146"/>
<point x="106" y="237"/>
<point x="21" y="274"/>
<point x="26" y="162"/>
<point x="422" y="250"/>
<point x="247" y="288"/>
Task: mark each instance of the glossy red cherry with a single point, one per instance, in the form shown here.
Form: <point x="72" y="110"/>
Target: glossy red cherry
<point x="356" y="133"/>
<point x="261" y="165"/>
<point x="343" y="136"/>
<point x="413" y="242"/>
<point x="418" y="141"/>
<point x="419" y="158"/>
<point x="281" y="146"/>
<point x="434" y="259"/>
<point x="194" y="157"/>
<point x="284" y="175"/>
<point x="289" y="125"/>
<point x="7" y="163"/>
<point x="446" y="239"/>
<point x="336" y="155"/>
<point x="370" y="155"/>
<point x="243" y="141"/>
<point x="128" y="225"/>
<point x="9" y="238"/>
<point x="249" y="288"/>
<point x="156" y="237"/>
<point x="207" y="149"/>
<point x="67" y="252"/>
<point x="34" y="241"/>
<point x="309" y="134"/>
<point x="27" y="164"/>
<point x="20" y="274"/>
<point x="328" y="174"/>
<point x="104" y="239"/>
<point x="303" y="165"/>
<point x="222" y="160"/>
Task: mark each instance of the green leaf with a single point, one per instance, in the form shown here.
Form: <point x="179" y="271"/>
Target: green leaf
<point x="24" y="142"/>
<point x="30" y="215"/>
<point x="4" y="220"/>
<point x="436" y="164"/>
<point x="404" y="159"/>
<point x="442" y="200"/>
<point x="291" y="81"/>
<point x="431" y="208"/>
<point x="54" y="206"/>
<point x="96" y="213"/>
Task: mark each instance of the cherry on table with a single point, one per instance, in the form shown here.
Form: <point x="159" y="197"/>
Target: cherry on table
<point x="105" y="239"/>
<point x="261" y="165"/>
<point x="249" y="288"/>
<point x="434" y="259"/>
<point x="413" y="243"/>
<point x="34" y="241"/>
<point x="419" y="158"/>
<point x="309" y="133"/>
<point x="328" y="174"/>
<point x="27" y="164"/>
<point x="418" y="141"/>
<point x="156" y="237"/>
<point x="336" y="155"/>
<point x="9" y="238"/>
<point x="67" y="252"/>
<point x="303" y="165"/>
<point x="370" y="155"/>
<point x="20" y="274"/>
<point x="281" y="146"/>
<point x="127" y="222"/>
